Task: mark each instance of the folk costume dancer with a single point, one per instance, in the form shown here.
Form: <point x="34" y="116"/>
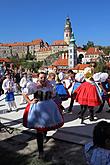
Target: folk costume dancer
<point x="79" y="79"/>
<point x="8" y="87"/>
<point x="42" y="113"/>
<point x="88" y="96"/>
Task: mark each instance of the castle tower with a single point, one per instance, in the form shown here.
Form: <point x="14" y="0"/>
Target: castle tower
<point x="67" y="31"/>
<point x="72" y="52"/>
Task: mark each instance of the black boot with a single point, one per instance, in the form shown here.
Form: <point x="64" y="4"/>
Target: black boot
<point x="83" y="110"/>
<point x="82" y="120"/>
<point x="91" y="114"/>
<point x="71" y="106"/>
<point x="40" y="145"/>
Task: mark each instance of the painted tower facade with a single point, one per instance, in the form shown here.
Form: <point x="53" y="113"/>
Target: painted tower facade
<point x="72" y="52"/>
<point x="67" y="31"/>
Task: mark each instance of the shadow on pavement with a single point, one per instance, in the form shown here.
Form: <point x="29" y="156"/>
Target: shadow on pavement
<point x="22" y="150"/>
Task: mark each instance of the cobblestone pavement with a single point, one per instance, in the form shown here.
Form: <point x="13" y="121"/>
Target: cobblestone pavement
<point x="20" y="148"/>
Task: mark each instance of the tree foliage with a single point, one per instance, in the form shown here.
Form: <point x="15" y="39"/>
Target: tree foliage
<point x="29" y="56"/>
<point x="101" y="65"/>
<point x="29" y="64"/>
<point x="88" y="45"/>
<point x="106" y="49"/>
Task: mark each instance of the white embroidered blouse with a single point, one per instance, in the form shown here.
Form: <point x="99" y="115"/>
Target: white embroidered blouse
<point x="97" y="155"/>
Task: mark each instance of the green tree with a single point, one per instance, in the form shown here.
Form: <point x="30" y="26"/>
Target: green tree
<point x="88" y="45"/>
<point x="29" y="56"/>
<point x="29" y="64"/>
<point x="100" y="65"/>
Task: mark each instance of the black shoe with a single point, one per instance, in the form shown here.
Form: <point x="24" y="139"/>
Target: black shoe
<point x="82" y="120"/>
<point x="99" y="111"/>
<point x="91" y="118"/>
<point x="9" y="110"/>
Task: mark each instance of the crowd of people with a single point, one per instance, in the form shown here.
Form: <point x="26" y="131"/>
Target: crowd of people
<point x="13" y="80"/>
<point x="44" y="111"/>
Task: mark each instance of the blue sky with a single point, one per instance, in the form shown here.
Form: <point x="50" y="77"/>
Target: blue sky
<point x="26" y="20"/>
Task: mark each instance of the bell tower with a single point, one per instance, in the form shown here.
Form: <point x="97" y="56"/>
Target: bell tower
<point x="72" y="52"/>
<point x="67" y="31"/>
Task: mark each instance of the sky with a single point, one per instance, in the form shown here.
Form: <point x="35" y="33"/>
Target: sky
<point x="27" y="20"/>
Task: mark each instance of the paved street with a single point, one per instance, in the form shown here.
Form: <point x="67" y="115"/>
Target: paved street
<point x="72" y="131"/>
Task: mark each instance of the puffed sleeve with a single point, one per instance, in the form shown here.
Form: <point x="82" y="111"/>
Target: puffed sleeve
<point x="31" y="88"/>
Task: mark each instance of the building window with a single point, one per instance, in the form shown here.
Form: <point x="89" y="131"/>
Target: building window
<point x="70" y="62"/>
<point x="70" y="50"/>
<point x="66" y="35"/>
<point x="70" y="56"/>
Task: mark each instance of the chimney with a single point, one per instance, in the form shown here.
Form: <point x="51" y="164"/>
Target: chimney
<point x="95" y="49"/>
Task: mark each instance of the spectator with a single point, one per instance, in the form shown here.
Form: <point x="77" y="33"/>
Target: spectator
<point x="98" y="151"/>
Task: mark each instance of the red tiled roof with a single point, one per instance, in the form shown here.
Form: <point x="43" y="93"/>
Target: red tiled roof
<point x="34" y="42"/>
<point x="93" y="50"/>
<point x="5" y="60"/>
<point x="61" y="62"/>
<point x="15" y="44"/>
<point x="59" y="42"/>
<point x="80" y="66"/>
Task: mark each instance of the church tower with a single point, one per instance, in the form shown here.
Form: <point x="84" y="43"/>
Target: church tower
<point x="67" y="31"/>
<point x="72" y="52"/>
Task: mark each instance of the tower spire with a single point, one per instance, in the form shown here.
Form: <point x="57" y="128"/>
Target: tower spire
<point x="67" y="30"/>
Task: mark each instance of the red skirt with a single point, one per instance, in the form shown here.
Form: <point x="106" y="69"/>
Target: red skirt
<point x="86" y="94"/>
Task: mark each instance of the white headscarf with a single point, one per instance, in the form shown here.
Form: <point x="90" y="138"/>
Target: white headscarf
<point x="61" y="76"/>
<point x="79" y="77"/>
<point x="96" y="77"/>
<point x="103" y="77"/>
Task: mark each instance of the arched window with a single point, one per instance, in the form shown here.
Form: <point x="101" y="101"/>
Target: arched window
<point x="80" y="58"/>
<point x="67" y="35"/>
